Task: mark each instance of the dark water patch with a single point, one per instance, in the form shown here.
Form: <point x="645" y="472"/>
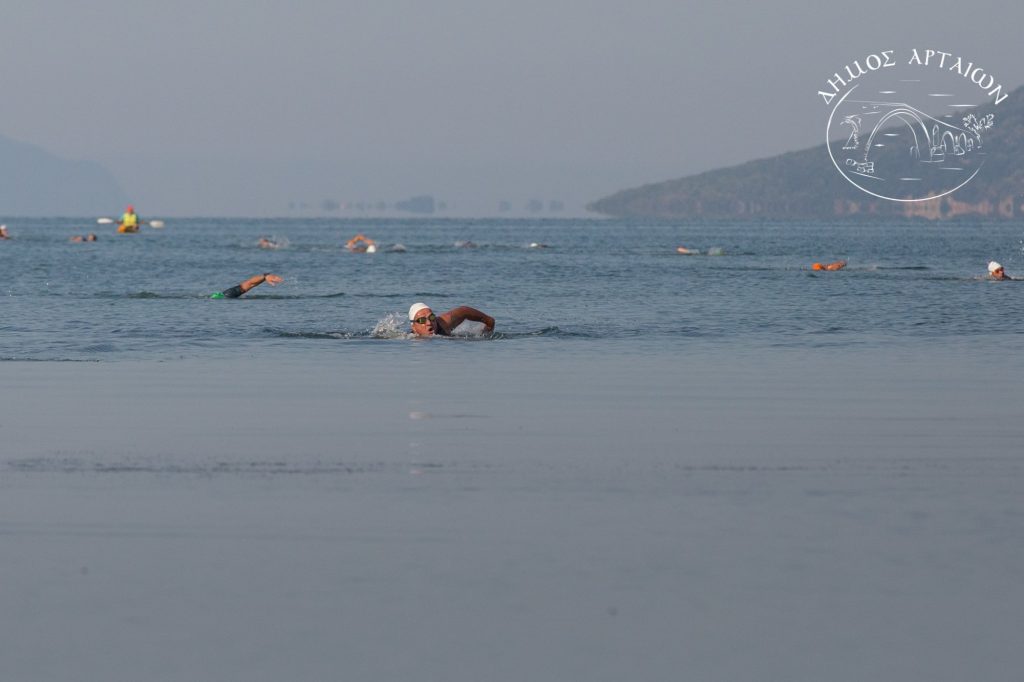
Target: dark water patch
<point x="414" y="295"/>
<point x="898" y="267"/>
<point x="145" y="295"/>
<point x="555" y="332"/>
<point x="15" y="358"/>
<point x="807" y="342"/>
<point x="749" y="468"/>
<point x="550" y="332"/>
<point x="948" y="278"/>
<point x="333" y="335"/>
<point x="89" y="465"/>
<point x="100" y="348"/>
<point x="293" y="297"/>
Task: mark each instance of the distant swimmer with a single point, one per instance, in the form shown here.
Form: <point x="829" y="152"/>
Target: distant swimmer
<point x="996" y="271"/>
<point x="265" y="243"/>
<point x="426" y="323"/>
<point x="129" y="221"/>
<point x="251" y="283"/>
<point x="78" y="238"/>
<point x="465" y="244"/>
<point x="538" y="245"/>
<point x="3" y="232"/>
<point x="361" y="244"/>
<point x="837" y="265"/>
<point x="687" y="252"/>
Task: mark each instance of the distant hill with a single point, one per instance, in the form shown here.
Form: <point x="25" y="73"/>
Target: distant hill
<point x="806" y="185"/>
<point x="34" y="182"/>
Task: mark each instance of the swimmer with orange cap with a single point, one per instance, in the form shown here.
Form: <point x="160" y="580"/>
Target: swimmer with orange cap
<point x="361" y="244"/>
<point x="837" y="265"/>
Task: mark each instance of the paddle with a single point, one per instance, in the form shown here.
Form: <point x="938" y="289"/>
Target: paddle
<point x="152" y="223"/>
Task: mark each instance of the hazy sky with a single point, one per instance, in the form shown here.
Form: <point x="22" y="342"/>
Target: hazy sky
<point x="237" y="108"/>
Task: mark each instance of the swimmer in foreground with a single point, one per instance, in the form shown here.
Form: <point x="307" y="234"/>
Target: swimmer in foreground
<point x="838" y="265"/>
<point x="995" y="271"/>
<point x="3" y="232"/>
<point x="426" y="323"/>
<point x="91" y="237"/>
<point x="252" y="282"/>
<point x="361" y="244"/>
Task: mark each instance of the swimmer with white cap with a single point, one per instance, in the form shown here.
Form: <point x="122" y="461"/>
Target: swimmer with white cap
<point x="995" y="271"/>
<point x="361" y="244"/>
<point x="426" y="323"/>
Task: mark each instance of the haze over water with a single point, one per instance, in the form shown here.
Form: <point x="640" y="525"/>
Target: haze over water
<point x="715" y="467"/>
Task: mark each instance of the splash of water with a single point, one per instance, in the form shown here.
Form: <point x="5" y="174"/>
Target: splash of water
<point x="391" y="326"/>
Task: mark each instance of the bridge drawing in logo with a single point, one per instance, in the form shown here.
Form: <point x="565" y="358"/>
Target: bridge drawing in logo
<point x="896" y="151"/>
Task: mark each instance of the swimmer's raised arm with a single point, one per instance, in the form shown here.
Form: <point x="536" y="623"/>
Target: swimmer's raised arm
<point x="457" y="316"/>
<point x="252" y="282"/>
<point x="268" y="277"/>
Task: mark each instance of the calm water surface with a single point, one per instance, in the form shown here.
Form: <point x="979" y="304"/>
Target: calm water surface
<point x="661" y="467"/>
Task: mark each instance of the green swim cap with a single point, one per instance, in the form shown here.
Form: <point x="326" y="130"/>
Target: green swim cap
<point x="219" y="294"/>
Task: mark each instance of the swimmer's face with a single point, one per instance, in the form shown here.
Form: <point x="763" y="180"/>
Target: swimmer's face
<point x="425" y="323"/>
<point x="999" y="273"/>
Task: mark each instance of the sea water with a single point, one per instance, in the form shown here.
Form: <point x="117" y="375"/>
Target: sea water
<point x="715" y="467"/>
<point x="597" y="284"/>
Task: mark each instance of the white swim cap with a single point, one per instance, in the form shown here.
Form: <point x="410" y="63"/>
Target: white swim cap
<point x="415" y="308"/>
<point x="371" y="249"/>
<point x="993" y="266"/>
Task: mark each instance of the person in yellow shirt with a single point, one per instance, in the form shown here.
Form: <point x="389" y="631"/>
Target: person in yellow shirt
<point x="129" y="222"/>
